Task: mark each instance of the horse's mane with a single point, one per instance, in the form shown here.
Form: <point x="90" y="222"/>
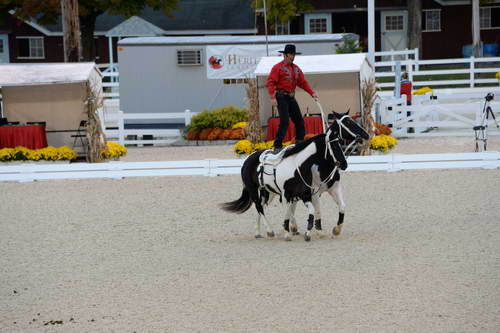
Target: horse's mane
<point x="301" y="146"/>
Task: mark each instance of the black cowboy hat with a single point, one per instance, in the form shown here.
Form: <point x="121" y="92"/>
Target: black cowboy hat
<point x="289" y="49"/>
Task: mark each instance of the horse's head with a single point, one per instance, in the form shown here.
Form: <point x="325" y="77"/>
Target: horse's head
<point x="347" y="128"/>
<point x="334" y="148"/>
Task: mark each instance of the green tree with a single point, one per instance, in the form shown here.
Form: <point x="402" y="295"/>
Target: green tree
<point x="349" y="45"/>
<point x="283" y="11"/>
<point x="47" y="12"/>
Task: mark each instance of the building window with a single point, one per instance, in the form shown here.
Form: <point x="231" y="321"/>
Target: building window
<point x="318" y="23"/>
<point x="189" y="57"/>
<point x="30" y="48"/>
<point x="235" y="81"/>
<point x="489" y="17"/>
<point x="1" y="45"/>
<point x="394" y="23"/>
<point x="282" y="29"/>
<point x="431" y="20"/>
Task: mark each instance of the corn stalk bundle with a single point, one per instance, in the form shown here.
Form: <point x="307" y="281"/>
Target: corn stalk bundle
<point x="369" y="94"/>
<point x="95" y="134"/>
<point x="253" y="130"/>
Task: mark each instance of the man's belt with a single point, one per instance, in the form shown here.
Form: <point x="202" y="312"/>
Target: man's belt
<point x="285" y="93"/>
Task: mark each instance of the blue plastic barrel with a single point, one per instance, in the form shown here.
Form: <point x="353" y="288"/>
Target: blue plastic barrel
<point x="490" y="50"/>
<point x="467" y="51"/>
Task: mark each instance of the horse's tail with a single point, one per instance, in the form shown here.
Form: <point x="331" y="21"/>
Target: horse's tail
<point x="239" y="206"/>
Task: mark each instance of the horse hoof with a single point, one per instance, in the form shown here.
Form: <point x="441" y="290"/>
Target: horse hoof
<point x="307" y="238"/>
<point x="270" y="234"/>
<point x="295" y="233"/>
<point x="258" y="236"/>
<point x="287" y="239"/>
<point x="337" y="230"/>
<point x="317" y="225"/>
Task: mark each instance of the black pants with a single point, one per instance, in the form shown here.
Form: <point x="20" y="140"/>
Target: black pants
<point x="288" y="108"/>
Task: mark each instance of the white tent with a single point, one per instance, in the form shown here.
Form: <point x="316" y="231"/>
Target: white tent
<point x="53" y="93"/>
<point x="337" y="79"/>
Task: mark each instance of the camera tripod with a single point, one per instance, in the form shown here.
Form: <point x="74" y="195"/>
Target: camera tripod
<point x="481" y="131"/>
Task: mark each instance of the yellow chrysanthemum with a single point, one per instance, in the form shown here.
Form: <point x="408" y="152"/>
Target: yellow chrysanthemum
<point x="422" y="91"/>
<point x="48" y="153"/>
<point x="113" y="149"/>
<point x="383" y="142"/>
<point x="244" y="147"/>
<point x="241" y="124"/>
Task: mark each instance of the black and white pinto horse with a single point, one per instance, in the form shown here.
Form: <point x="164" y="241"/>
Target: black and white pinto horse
<point x="302" y="172"/>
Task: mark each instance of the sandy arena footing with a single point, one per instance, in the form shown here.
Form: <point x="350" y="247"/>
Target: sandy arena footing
<point x="420" y="252"/>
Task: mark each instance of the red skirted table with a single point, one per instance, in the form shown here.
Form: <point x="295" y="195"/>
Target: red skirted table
<point x="31" y="136"/>
<point x="313" y="125"/>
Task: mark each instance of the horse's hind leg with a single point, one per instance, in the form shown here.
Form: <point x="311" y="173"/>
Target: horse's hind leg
<point x="337" y="194"/>
<point x="260" y="210"/>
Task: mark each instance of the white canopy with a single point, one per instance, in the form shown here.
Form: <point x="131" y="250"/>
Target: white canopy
<point x="41" y="74"/>
<point x="319" y="64"/>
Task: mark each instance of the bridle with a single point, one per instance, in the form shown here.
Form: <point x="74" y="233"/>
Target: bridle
<point x="328" y="149"/>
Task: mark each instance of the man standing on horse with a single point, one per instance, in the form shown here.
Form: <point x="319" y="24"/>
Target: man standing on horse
<point x="285" y="76"/>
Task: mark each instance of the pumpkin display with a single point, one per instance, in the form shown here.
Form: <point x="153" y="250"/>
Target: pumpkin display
<point x="205" y="133"/>
<point x="215" y="134"/>
<point x="192" y="135"/>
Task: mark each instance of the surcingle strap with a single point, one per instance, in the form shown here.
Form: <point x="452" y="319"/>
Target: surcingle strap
<point x="268" y="168"/>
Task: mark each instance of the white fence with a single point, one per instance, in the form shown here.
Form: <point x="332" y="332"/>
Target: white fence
<point x="440" y="117"/>
<point x="110" y="80"/>
<point x="131" y="136"/>
<point x="470" y="70"/>
<point x="212" y="167"/>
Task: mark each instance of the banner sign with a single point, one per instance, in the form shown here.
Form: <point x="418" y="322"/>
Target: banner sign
<point x="236" y="61"/>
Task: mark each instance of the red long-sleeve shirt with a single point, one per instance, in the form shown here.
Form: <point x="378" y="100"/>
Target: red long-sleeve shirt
<point x="286" y="77"/>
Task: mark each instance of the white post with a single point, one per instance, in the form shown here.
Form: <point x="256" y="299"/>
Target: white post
<point x="187" y="117"/>
<point x="471" y="68"/>
<point x="371" y="31"/>
<point x="416" y="56"/>
<point x="110" y="51"/>
<point x="265" y="28"/>
<point x="121" y="128"/>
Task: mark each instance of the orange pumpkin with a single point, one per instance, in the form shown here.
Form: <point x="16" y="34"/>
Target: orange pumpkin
<point x="214" y="135"/>
<point x="192" y="135"/>
<point x="205" y="133"/>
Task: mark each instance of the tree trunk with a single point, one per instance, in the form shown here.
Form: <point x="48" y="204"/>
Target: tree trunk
<point x="71" y="30"/>
<point x="415" y="25"/>
<point x="88" y="26"/>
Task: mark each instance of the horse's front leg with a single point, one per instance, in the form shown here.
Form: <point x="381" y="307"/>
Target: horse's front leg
<point x="317" y="212"/>
<point x="293" y="221"/>
<point x="337" y="194"/>
<point x="310" y="219"/>
<point x="290" y="210"/>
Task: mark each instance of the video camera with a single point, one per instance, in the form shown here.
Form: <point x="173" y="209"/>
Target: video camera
<point x="489" y="97"/>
